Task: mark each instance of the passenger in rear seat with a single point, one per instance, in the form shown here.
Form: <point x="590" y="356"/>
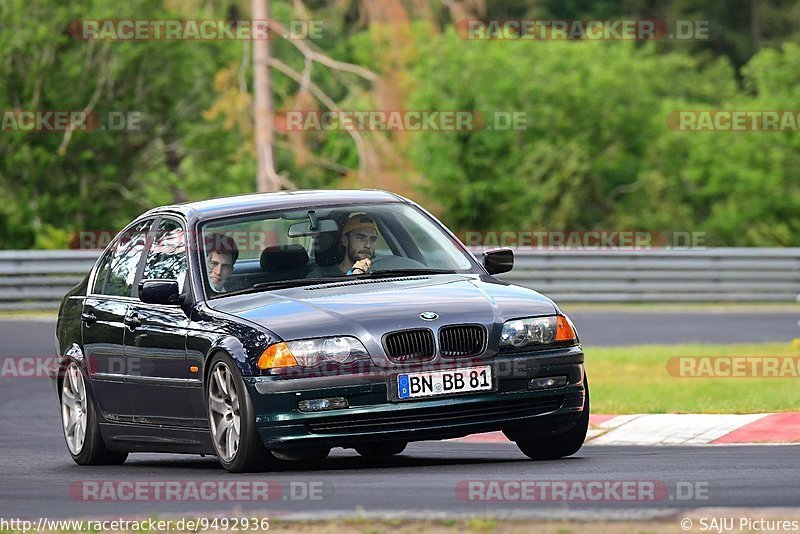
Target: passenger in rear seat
<point x="221" y="254"/>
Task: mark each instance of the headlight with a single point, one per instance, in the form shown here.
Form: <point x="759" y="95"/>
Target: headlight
<point x="312" y="352"/>
<point x="537" y="332"/>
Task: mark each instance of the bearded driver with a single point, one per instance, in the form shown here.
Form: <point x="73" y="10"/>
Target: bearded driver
<point x="359" y="237"/>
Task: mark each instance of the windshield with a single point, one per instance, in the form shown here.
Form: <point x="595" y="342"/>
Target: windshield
<point x="300" y="247"/>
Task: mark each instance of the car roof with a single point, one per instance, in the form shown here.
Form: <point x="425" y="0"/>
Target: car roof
<point x="221" y="207"/>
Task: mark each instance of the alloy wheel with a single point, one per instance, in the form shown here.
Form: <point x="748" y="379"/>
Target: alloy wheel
<point x="223" y="409"/>
<point x="74" y="408"/>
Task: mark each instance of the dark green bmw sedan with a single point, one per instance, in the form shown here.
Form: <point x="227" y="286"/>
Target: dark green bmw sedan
<point x="286" y="324"/>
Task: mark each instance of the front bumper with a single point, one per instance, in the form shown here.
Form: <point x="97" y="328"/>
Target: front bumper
<point x="374" y="416"/>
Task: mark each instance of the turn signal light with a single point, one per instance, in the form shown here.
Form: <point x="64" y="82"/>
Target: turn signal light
<point x="564" y="331"/>
<point x="277" y="355"/>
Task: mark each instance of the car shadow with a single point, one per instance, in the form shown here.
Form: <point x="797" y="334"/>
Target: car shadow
<point x="340" y="460"/>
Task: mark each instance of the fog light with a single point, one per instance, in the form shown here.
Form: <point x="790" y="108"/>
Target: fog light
<point x="320" y="405"/>
<point x="548" y="382"/>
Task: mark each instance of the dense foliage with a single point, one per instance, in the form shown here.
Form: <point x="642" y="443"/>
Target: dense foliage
<point x="597" y="152"/>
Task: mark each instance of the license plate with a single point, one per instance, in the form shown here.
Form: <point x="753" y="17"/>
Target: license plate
<point x="435" y="383"/>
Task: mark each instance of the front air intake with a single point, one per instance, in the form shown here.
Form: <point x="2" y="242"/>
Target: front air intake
<point x="410" y="346"/>
<point x="462" y="341"/>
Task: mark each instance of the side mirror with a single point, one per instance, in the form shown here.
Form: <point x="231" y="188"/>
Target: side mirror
<point x="499" y="260"/>
<point x="159" y="292"/>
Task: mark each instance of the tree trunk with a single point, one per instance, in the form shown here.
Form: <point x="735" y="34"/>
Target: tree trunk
<point x="267" y="178"/>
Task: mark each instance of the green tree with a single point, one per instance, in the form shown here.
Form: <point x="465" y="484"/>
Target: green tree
<point x="593" y="110"/>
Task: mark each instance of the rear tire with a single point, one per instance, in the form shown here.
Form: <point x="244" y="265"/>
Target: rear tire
<point x="79" y="422"/>
<point x="232" y="420"/>
<point x="381" y="449"/>
<point x="560" y="445"/>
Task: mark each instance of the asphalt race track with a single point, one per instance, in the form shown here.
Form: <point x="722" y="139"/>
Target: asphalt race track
<point x="669" y="328"/>
<point x="37" y="474"/>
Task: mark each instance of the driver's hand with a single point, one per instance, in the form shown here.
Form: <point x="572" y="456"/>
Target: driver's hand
<point x="364" y="265"/>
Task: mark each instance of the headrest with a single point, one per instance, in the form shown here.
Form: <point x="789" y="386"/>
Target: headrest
<point x="283" y="258"/>
<point x="327" y="249"/>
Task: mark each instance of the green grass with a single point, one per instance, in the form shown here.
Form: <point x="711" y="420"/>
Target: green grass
<point x="479" y="525"/>
<point x="635" y="380"/>
<point x="32" y="314"/>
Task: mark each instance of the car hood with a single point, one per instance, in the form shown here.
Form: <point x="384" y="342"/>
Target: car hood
<point x="368" y="309"/>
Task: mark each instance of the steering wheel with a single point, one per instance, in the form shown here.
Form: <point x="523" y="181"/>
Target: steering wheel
<point x="388" y="263"/>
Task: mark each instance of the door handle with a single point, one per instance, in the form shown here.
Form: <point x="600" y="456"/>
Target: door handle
<point x="132" y="321"/>
<point x="87" y="316"/>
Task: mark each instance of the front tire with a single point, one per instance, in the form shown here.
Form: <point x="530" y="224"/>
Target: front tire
<point x="231" y="419"/>
<point x="560" y="445"/>
<point x="79" y="422"/>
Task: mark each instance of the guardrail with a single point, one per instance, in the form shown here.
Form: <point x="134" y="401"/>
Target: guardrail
<point x="36" y="280"/>
<point x="661" y="275"/>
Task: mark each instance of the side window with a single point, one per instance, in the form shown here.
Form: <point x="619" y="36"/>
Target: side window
<point x="166" y="259"/>
<point x="102" y="274"/>
<point x="129" y="250"/>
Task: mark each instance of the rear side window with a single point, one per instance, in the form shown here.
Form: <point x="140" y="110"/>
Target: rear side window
<point x="102" y="274"/>
<point x="166" y="259"/>
<point x="125" y="260"/>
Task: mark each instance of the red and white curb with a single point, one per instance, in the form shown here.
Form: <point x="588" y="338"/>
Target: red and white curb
<point x="681" y="429"/>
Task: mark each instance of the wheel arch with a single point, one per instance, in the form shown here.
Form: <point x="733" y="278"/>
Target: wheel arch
<point x="231" y="347"/>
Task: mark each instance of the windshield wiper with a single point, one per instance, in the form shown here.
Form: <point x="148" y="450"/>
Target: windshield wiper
<point x="298" y="282"/>
<point x="383" y="273"/>
<point x="281" y="284"/>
